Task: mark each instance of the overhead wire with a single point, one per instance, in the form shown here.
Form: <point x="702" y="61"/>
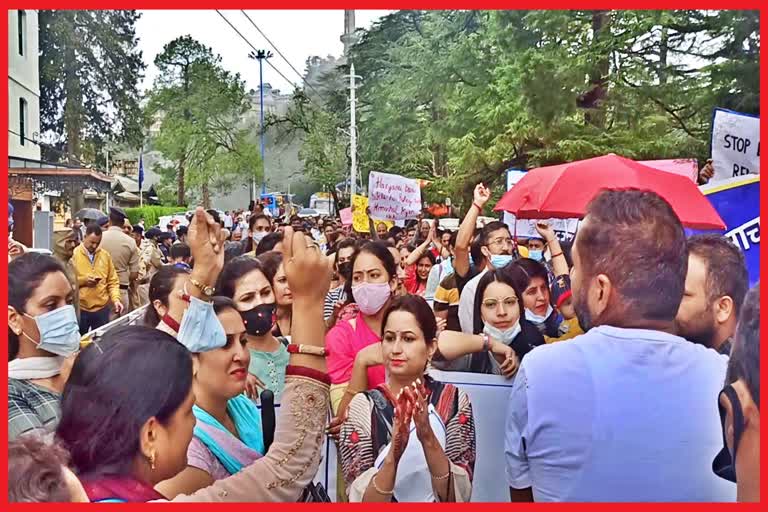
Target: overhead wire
<point x="256" y="50"/>
<point x="279" y="52"/>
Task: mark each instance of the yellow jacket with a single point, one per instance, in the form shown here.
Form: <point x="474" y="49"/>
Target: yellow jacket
<point x="107" y="290"/>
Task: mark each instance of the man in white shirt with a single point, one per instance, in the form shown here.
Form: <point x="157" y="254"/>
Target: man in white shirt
<point x="227" y="220"/>
<point x="627" y="411"/>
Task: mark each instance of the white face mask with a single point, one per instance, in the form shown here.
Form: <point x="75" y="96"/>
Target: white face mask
<point x="507" y="336"/>
<point x="536" y="319"/>
<point x="258" y="236"/>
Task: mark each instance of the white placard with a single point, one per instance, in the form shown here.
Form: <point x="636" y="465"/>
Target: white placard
<point x="489" y="395"/>
<point x="565" y="229"/>
<point x="393" y="197"/>
<point x="735" y="144"/>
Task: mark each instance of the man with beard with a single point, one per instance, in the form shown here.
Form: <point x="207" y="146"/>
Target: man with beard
<point x="715" y="287"/>
<point x="624" y="412"/>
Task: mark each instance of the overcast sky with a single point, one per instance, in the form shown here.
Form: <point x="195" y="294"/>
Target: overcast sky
<point x="298" y="34"/>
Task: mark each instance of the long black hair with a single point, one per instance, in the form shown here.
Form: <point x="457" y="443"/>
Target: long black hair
<point x="25" y="274"/>
<point x="160" y="287"/>
<point x="132" y="374"/>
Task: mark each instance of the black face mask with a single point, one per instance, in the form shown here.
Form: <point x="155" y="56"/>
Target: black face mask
<point x="724" y="464"/>
<point x="259" y="320"/>
<point x="345" y="270"/>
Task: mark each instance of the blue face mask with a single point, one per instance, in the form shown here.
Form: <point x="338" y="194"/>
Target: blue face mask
<point x="536" y="254"/>
<point x="536" y="319"/>
<point x="200" y="329"/>
<point x="501" y="260"/>
<point x="59" y="332"/>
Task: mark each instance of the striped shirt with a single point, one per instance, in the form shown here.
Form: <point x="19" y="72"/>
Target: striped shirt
<point x="334" y="296"/>
<point x="31" y="407"/>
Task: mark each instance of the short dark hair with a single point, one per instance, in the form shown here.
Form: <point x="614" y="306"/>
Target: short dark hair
<point x="475" y="250"/>
<point x="254" y="218"/>
<point x="726" y="268"/>
<point x="234" y="270"/>
<point x="420" y="309"/>
<point x="221" y="303"/>
<point x="180" y="250"/>
<point x="160" y="287"/>
<point x="270" y="262"/>
<point x="25" y="274"/>
<point x="116" y="218"/>
<point x="268" y="243"/>
<point x="132" y="374"/>
<point x="485" y="233"/>
<point x="35" y="471"/>
<point x="744" y="362"/>
<point x="533" y="268"/>
<point x="182" y="231"/>
<point x="635" y="238"/>
<point x="93" y="229"/>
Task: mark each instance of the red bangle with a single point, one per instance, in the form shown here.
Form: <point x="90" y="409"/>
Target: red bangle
<point x="479" y="208"/>
<point x="556" y="255"/>
<point x="294" y="348"/>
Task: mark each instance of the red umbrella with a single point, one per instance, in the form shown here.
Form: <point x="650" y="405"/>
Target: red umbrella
<point x="565" y="190"/>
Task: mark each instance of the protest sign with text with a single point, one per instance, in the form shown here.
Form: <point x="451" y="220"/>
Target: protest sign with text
<point x="565" y="229"/>
<point x="393" y="197"/>
<point x="735" y="144"/>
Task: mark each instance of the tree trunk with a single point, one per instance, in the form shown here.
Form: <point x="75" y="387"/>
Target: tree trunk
<point x="598" y="77"/>
<point x="663" y="51"/>
<point x="180" y="191"/>
<point x="206" y="196"/>
<point x="72" y="107"/>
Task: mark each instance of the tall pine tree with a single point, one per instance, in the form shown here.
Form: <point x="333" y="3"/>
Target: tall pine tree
<point x="90" y="68"/>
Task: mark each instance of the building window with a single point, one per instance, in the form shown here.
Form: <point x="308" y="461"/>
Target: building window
<point x="22" y="29"/>
<point x="22" y="120"/>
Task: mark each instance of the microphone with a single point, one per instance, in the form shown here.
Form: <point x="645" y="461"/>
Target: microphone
<point x="267" y="398"/>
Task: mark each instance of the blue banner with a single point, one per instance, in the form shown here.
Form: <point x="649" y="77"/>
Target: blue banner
<point x="737" y="200"/>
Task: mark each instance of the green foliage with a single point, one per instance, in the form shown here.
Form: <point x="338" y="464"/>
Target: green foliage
<point x="90" y="67"/>
<point x="152" y="214"/>
<point x="201" y="107"/>
<point x="458" y="97"/>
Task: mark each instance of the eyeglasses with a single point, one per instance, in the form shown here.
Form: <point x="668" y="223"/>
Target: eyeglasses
<point x="501" y="241"/>
<point x="507" y="302"/>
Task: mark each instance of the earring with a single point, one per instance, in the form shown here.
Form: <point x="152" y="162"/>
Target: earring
<point x="152" y="461"/>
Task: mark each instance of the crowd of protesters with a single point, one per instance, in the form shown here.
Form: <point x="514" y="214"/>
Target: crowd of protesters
<point x="632" y="352"/>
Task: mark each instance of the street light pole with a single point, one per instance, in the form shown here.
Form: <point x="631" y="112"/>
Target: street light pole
<point x="260" y="55"/>
<point x="352" y="130"/>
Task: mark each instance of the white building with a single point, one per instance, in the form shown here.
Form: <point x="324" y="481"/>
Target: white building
<point x="23" y="85"/>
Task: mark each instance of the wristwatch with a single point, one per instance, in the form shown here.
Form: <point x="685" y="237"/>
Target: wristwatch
<point x="208" y="291"/>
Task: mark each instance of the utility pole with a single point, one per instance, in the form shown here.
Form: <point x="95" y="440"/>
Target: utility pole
<point x="352" y="130"/>
<point x="260" y="55"/>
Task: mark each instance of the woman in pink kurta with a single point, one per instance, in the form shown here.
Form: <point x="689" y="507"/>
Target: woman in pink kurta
<point x="374" y="281"/>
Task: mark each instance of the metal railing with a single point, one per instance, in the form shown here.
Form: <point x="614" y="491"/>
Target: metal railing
<point x="132" y="318"/>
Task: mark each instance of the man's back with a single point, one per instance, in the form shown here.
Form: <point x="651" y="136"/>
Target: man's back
<point x="122" y="248"/>
<point x="617" y="415"/>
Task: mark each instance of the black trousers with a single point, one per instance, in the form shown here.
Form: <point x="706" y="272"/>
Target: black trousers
<point x="90" y="320"/>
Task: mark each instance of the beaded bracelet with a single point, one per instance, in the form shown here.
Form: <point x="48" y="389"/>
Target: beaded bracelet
<point x="307" y="349"/>
<point x="443" y="477"/>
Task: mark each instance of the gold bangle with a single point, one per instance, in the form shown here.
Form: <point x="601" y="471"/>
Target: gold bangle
<point x="376" y="487"/>
<point x="443" y="477"/>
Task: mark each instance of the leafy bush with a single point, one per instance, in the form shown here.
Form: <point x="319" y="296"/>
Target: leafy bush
<point x="152" y="214"/>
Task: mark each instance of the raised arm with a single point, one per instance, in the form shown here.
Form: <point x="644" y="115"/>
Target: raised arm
<point x="559" y="263"/>
<point x="467" y="229"/>
<point x="292" y="460"/>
